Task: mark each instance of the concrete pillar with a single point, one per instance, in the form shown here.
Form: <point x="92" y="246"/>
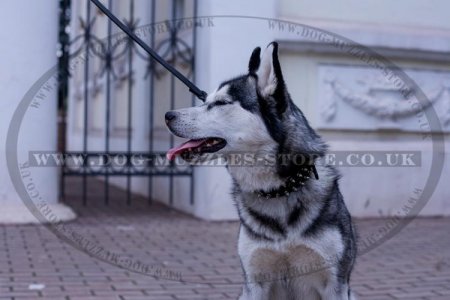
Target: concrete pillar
<point x="28" y="35"/>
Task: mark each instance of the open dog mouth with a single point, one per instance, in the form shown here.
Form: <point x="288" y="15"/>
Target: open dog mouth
<point x="195" y="147"/>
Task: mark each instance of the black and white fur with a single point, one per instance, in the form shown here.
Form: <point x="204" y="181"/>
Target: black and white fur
<point x="298" y="246"/>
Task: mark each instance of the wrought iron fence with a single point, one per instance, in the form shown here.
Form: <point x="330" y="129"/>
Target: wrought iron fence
<point x="108" y="51"/>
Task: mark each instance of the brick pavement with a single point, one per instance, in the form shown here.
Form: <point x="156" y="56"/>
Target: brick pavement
<point x="415" y="264"/>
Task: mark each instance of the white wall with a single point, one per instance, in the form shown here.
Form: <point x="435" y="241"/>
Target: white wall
<point x="401" y="13"/>
<point x="415" y="36"/>
<point x="28" y="34"/>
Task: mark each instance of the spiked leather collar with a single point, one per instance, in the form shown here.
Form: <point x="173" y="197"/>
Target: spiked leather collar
<point x="292" y="184"/>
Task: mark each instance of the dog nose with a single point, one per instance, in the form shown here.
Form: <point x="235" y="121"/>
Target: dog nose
<point x="170" y="115"/>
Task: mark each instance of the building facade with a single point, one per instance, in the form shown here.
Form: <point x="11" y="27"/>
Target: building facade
<point x="358" y="71"/>
<point x="358" y="98"/>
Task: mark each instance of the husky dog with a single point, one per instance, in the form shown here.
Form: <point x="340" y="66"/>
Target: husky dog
<point x="296" y="239"/>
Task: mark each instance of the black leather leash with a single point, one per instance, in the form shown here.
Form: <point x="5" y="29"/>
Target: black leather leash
<point x="192" y="87"/>
<point x="294" y="184"/>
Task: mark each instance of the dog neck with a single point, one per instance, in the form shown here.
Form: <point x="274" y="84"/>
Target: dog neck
<point x="255" y="178"/>
<point x="292" y="184"/>
<point x="266" y="182"/>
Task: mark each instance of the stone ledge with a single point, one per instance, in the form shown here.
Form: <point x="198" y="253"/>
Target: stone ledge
<point x="18" y="213"/>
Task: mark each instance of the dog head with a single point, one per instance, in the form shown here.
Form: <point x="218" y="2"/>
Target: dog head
<point x="250" y="113"/>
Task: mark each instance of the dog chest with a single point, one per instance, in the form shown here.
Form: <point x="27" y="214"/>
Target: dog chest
<point x="295" y="261"/>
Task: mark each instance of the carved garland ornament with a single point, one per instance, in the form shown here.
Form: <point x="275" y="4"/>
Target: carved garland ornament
<point x="381" y="107"/>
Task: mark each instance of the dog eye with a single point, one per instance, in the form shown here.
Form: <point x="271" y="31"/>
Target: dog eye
<point x="218" y="103"/>
<point x="221" y="102"/>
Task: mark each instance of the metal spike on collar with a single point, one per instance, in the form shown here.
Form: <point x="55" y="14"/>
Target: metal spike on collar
<point x="291" y="185"/>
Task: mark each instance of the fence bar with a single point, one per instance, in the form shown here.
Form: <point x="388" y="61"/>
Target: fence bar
<point x="193" y="70"/>
<point x="86" y="94"/>
<point x="108" y="62"/>
<point x="130" y="95"/>
<point x="151" y="104"/>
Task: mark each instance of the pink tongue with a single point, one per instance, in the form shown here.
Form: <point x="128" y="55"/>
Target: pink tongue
<point x="177" y="150"/>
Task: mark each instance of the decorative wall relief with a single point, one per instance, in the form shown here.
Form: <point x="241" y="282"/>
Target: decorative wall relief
<point x="361" y="98"/>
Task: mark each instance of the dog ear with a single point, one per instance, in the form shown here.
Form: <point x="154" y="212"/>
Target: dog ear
<point x="270" y="78"/>
<point x="255" y="60"/>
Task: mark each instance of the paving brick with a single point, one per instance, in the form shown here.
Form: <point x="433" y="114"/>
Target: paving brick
<point x="414" y="264"/>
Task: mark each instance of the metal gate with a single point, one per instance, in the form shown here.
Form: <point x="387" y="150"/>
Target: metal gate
<point x="107" y="51"/>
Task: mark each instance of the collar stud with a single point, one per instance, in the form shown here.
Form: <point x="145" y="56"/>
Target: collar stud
<point x="292" y="184"/>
